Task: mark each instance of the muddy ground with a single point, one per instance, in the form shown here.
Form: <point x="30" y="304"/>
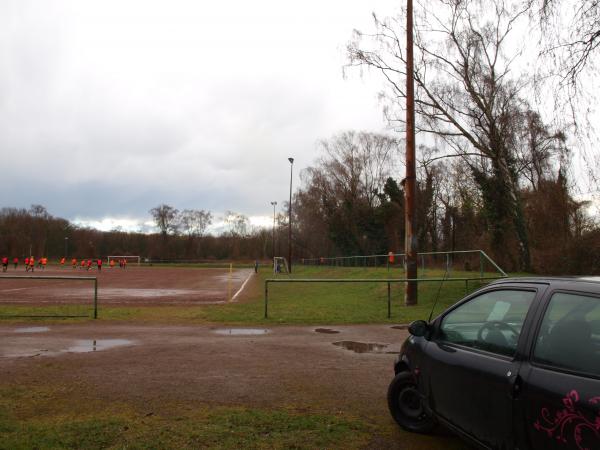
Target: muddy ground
<point x="280" y="367"/>
<point x="132" y="286"/>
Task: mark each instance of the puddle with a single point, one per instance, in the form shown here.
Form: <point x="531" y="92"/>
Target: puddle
<point x="326" y="331"/>
<point x="242" y="331"/>
<point x="32" y="330"/>
<point x="87" y="345"/>
<point x="361" y="347"/>
<point x="400" y="327"/>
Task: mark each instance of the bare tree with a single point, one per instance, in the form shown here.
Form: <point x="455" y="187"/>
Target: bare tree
<point x="343" y="187"/>
<point x="466" y="94"/>
<point x="165" y="217"/>
<point x="193" y="222"/>
<point x="237" y="223"/>
<point x="576" y="48"/>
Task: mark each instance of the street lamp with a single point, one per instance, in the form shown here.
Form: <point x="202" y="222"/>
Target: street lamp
<point x="274" y="204"/>
<point x="291" y="160"/>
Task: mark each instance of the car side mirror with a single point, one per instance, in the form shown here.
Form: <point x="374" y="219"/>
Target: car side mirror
<point x="419" y="328"/>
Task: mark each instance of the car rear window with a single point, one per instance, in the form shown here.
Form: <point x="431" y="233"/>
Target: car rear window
<point x="569" y="336"/>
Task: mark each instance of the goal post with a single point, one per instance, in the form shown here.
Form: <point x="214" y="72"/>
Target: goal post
<point x="128" y="258"/>
<point x="280" y="265"/>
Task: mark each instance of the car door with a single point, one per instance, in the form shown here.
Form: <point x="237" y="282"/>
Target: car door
<point x="473" y="362"/>
<point x="559" y="401"/>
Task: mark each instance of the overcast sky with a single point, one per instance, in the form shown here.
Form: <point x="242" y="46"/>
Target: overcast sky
<point x="108" y="108"/>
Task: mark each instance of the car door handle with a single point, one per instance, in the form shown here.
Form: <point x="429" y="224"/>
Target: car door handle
<point x="515" y="384"/>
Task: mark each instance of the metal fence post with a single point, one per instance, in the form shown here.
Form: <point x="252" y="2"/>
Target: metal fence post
<point x="95" y="298"/>
<point x="389" y="302"/>
<point x="480" y="264"/>
<point x="266" y="297"/>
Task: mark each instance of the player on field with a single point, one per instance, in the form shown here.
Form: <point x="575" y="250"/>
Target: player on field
<point x="16" y="262"/>
<point x="74" y="263"/>
<point x="31" y="263"/>
<point x="44" y="262"/>
<point x="4" y="263"/>
<point x="89" y="264"/>
<point x="99" y="264"/>
<point x="26" y="264"/>
<point x="82" y="266"/>
<point x="112" y="263"/>
<point x="62" y="261"/>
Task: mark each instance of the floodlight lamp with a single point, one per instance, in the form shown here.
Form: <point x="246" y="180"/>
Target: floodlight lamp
<point x="291" y="160"/>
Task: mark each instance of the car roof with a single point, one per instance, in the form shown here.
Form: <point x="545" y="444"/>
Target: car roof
<point x="584" y="283"/>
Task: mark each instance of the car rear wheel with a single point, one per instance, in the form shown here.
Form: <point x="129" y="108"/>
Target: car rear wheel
<point x="406" y="405"/>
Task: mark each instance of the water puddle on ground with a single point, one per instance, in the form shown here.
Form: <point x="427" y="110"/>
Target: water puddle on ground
<point x="326" y="331"/>
<point x="92" y="345"/>
<point x="32" y="330"/>
<point x="242" y="331"/>
<point x="362" y="347"/>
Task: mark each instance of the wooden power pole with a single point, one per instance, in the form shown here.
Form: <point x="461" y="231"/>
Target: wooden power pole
<point x="410" y="183"/>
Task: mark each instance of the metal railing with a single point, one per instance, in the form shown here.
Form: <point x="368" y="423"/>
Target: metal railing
<point x="383" y="260"/>
<point x="35" y="277"/>
<point x="370" y="280"/>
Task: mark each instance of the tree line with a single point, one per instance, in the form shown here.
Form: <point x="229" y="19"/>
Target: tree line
<point x="181" y="236"/>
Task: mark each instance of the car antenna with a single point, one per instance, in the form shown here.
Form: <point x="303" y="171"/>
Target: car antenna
<point x="437" y="296"/>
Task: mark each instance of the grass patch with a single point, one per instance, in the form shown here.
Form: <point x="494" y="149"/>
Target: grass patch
<point x="30" y="419"/>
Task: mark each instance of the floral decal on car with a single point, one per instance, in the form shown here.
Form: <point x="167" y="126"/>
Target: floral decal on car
<point x="570" y="423"/>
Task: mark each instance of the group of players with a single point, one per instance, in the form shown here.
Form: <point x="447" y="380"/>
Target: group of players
<point x="84" y="264"/>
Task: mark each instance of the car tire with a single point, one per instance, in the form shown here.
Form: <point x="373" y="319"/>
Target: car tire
<point x="406" y="406"/>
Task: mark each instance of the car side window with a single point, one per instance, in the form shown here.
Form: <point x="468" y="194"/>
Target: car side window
<point x="569" y="336"/>
<point x="491" y="321"/>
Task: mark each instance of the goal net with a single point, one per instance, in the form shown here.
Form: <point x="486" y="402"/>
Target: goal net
<point x="280" y="265"/>
<point x="130" y="259"/>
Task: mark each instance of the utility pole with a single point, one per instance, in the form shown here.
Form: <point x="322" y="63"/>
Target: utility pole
<point x="410" y="241"/>
<point x="274" y="204"/>
<point x="291" y="160"/>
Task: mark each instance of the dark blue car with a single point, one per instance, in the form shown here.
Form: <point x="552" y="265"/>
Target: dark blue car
<point x="515" y="365"/>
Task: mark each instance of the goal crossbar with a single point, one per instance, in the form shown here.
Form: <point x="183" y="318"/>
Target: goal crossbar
<point x="117" y="257"/>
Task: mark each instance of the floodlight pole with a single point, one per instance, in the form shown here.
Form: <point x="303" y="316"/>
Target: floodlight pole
<point x="273" y="245"/>
<point x="66" y="247"/>
<point x="291" y="160"/>
<point x="410" y="241"/>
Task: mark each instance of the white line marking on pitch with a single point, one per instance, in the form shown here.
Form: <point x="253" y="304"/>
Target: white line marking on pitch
<point x="13" y="290"/>
<point x="242" y="287"/>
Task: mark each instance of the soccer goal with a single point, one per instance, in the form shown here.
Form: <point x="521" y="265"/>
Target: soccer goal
<point x="280" y="265"/>
<point x="128" y="258"/>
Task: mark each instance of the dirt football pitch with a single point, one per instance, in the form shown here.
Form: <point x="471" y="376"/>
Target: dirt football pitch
<point x="131" y="286"/>
<point x="167" y="370"/>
